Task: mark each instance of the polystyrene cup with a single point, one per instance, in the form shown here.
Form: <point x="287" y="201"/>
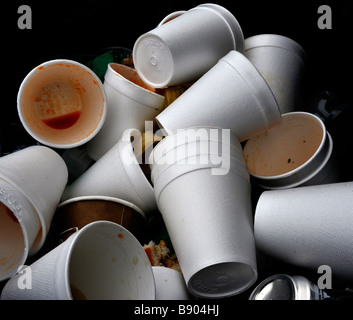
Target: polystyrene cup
<point x="40" y="175"/>
<point x="186" y="47"/>
<point x="232" y="95"/>
<point x="116" y="174"/>
<point x="297" y="152"/>
<point x="170" y="284"/>
<point x="281" y="61"/>
<point x="62" y="104"/>
<point x="211" y="213"/>
<point x="130" y="103"/>
<point x="101" y="261"/>
<point x="197" y="147"/>
<point x="74" y="214"/>
<point x="19" y="229"/>
<point x="308" y="226"/>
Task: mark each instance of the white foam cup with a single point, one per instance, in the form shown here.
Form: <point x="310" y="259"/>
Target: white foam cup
<point x="297" y="152"/>
<point x="116" y="174"/>
<point x="40" y="175"/>
<point x="211" y="211"/>
<point x="201" y="146"/>
<point x="170" y="284"/>
<point x="308" y="227"/>
<point x="231" y="95"/>
<point x="186" y="47"/>
<point x="130" y="102"/>
<point x="102" y="261"/>
<point x="281" y="61"/>
<point x="75" y="213"/>
<point x="62" y="104"/>
<point x="19" y="228"/>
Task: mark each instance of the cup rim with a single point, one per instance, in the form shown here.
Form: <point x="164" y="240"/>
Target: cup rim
<point x="150" y="98"/>
<point x="230" y="20"/>
<point x="325" y="147"/>
<point x="104" y="198"/>
<point x="29" y="130"/>
<point x="75" y="238"/>
<point x="168" y="174"/>
<point x="27" y="246"/>
<point x="171" y="16"/>
<point x="173" y="170"/>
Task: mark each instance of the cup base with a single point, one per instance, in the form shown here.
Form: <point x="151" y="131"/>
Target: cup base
<point x="154" y="61"/>
<point x="222" y="280"/>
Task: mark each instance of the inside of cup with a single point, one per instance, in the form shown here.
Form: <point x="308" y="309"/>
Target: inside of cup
<point x="131" y="75"/>
<point x="108" y="263"/>
<point x="12" y="243"/>
<point x="222" y="280"/>
<point x="77" y="213"/>
<point x="286" y="147"/>
<point x="62" y="103"/>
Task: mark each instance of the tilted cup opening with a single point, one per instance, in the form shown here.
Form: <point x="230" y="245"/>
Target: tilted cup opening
<point x="62" y="104"/>
<point x="289" y="154"/>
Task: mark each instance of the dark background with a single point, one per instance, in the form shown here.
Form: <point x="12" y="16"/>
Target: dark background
<point x="73" y="28"/>
<point x="80" y="29"/>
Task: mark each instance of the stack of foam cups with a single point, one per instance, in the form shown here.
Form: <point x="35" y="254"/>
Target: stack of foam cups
<point x="202" y="190"/>
<point x="32" y="181"/>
